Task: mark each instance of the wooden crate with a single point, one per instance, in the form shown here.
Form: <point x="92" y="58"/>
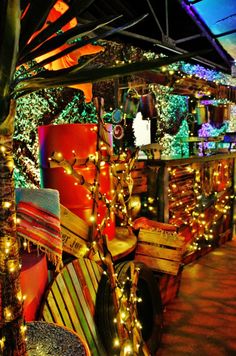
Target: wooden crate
<point x="74" y="232"/>
<point x="169" y="286"/>
<point x="160" y="250"/>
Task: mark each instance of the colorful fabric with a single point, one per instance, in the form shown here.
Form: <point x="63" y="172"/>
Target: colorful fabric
<point x="38" y="212"/>
<point x="147" y="106"/>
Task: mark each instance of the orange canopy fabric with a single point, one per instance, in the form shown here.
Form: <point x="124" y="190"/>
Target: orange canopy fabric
<point x="72" y="58"/>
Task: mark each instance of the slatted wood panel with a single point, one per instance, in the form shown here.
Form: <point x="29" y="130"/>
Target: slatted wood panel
<point x="74" y="233"/>
<point x="71" y="298"/>
<point x="160" y="250"/>
<point x="138" y="175"/>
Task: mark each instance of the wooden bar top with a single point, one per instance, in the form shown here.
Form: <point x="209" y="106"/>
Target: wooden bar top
<point x="178" y="160"/>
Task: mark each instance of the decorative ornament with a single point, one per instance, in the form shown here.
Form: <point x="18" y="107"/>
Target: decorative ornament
<point x="118" y="132"/>
<point x="131" y="103"/>
<point x="134" y="205"/>
<point x="117" y="116"/>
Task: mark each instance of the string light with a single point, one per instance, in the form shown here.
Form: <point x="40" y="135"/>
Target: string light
<point x="6" y="204"/>
<point x="116" y="343"/>
<point x="3" y="149"/>
<point x="122" y="188"/>
<point x="2" y="343"/>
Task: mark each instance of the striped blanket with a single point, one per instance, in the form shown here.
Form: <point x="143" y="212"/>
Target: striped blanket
<point x="38" y="221"/>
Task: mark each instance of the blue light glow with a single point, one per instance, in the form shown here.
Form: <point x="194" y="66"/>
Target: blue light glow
<point x="220" y="17"/>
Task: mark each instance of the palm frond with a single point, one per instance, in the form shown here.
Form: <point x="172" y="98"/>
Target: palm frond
<point x="33" y="19"/>
<point x="76" y="8"/>
<point x="83" y="43"/>
<point x="62" y="38"/>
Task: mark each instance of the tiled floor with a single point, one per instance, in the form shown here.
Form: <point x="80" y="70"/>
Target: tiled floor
<point x="202" y="319"/>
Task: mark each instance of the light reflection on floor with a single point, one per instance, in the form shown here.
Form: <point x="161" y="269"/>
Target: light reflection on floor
<point x="202" y="320"/>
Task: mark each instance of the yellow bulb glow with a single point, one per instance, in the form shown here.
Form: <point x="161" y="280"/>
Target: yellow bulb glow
<point x="123" y="315"/>
<point x="23" y="329"/>
<point x="127" y="350"/>
<point x="7" y="313"/>
<point x="6" y="204"/>
<point x="116" y="342"/>
<point x="2" y="342"/>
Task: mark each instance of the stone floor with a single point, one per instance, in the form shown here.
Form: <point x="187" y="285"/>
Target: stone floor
<point x="202" y="319"/>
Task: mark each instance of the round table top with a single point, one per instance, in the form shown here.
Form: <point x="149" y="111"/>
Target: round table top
<point x="51" y="339"/>
<point x="121" y="245"/>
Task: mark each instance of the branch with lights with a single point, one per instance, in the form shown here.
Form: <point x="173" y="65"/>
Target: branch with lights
<point x="129" y="338"/>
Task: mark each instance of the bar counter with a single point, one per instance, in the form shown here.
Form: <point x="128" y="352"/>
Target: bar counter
<point x="197" y="194"/>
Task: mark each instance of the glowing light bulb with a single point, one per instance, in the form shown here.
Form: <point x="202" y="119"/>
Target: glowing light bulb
<point x="116" y="342"/>
<point x="2" y="342"/>
<point x="7" y="313"/>
<point x="92" y="218"/>
<point x="127" y="350"/>
<point x="23" y="329"/>
<point x="6" y="204"/>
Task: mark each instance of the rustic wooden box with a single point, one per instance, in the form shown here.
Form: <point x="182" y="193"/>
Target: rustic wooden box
<point x="169" y="285"/>
<point x="160" y="250"/>
<point x="74" y="233"/>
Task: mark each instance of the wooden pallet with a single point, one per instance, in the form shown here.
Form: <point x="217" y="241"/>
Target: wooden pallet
<point x="160" y="250"/>
<point x="70" y="301"/>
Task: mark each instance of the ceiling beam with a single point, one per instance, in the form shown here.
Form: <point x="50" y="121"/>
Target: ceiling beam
<point x="167" y="18"/>
<point x="172" y="49"/>
<point x="194" y="2"/>
<point x="155" y="17"/>
<point x="189" y="38"/>
<point x="225" y="33"/>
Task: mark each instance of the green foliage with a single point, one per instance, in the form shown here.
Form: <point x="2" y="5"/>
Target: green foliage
<point x="171" y="110"/>
<point x="47" y="106"/>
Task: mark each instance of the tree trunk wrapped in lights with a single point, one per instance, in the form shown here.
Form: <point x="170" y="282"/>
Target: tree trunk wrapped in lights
<point x="12" y="329"/>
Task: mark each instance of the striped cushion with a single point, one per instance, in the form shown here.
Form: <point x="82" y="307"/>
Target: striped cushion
<point x="38" y="214"/>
